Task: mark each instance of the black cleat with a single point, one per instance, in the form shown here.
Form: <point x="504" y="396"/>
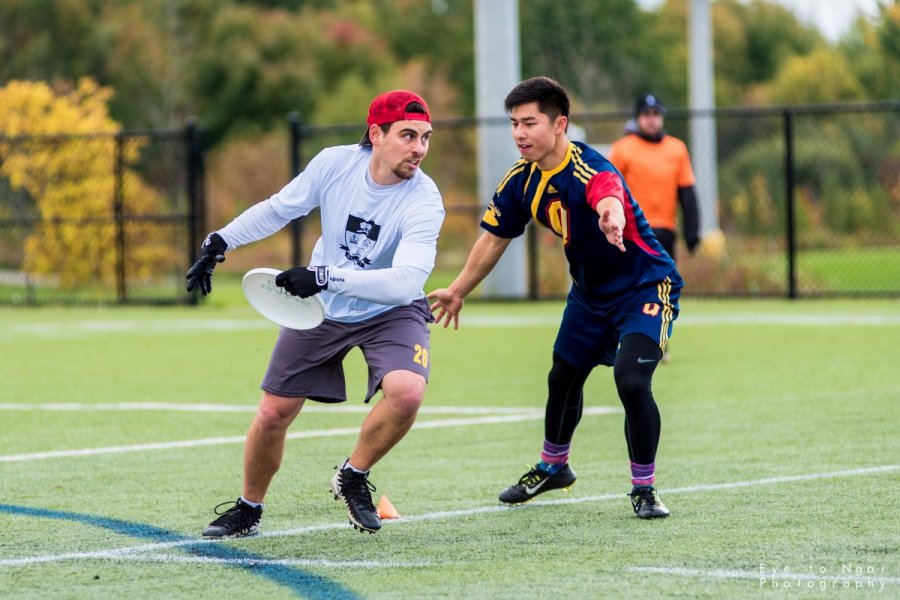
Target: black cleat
<point x="536" y="482"/>
<point x="356" y="491"/>
<point x="241" y="520"/>
<point x="646" y="503"/>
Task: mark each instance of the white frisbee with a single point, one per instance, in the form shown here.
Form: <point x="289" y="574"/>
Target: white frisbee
<point x="277" y="305"/>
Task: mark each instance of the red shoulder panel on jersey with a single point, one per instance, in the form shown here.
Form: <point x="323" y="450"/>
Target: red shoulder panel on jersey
<point x="631" y="232"/>
<point x="602" y="185"/>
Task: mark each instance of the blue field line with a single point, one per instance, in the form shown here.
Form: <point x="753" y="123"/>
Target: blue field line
<point x="302" y="583"/>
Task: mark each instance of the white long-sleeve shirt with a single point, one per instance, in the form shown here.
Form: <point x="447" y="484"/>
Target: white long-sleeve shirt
<point x="379" y="241"/>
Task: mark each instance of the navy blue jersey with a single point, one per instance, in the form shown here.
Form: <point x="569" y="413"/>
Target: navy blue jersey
<point x="564" y="199"/>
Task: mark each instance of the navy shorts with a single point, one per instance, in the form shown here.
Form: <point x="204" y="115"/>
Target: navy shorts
<point x="590" y="333"/>
<point x="309" y="363"/>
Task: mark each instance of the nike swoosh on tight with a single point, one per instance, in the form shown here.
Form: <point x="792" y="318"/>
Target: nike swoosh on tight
<point x="645" y="360"/>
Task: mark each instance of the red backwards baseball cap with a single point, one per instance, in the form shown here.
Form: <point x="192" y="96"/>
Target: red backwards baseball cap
<point x="391" y="106"/>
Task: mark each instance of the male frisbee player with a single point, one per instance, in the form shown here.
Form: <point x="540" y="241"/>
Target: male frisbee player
<point x="624" y="295"/>
<point x="381" y="216"/>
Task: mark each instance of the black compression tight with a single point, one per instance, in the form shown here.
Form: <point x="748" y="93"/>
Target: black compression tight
<point x="565" y="401"/>
<point x="635" y="363"/>
<point x="633" y="370"/>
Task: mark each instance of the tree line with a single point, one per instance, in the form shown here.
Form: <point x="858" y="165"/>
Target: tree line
<point x="242" y="65"/>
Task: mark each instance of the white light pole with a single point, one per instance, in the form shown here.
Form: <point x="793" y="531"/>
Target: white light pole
<point x="497" y="71"/>
<point x="703" y="125"/>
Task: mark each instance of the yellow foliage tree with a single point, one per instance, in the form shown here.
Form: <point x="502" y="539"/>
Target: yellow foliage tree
<point x="822" y="76"/>
<point x="61" y="148"/>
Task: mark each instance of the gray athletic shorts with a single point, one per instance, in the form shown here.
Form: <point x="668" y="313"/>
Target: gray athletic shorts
<point x="309" y="363"/>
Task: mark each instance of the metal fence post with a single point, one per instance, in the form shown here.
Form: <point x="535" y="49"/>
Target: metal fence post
<point x="789" y="182"/>
<point x="195" y="201"/>
<point x="119" y="212"/>
<point x="531" y="241"/>
<point x="296" y="139"/>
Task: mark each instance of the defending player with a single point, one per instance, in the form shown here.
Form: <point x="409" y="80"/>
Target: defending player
<point x="381" y="216"/>
<point x="625" y="289"/>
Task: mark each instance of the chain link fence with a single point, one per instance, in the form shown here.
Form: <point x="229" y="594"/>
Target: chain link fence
<point x="808" y="200"/>
<point x="808" y="203"/>
<point x="99" y="219"/>
<point x="808" y="206"/>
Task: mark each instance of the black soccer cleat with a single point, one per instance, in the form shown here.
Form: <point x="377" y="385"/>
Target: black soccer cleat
<point x="537" y="481"/>
<point x="241" y="520"/>
<point x="355" y="490"/>
<point x="646" y="503"/>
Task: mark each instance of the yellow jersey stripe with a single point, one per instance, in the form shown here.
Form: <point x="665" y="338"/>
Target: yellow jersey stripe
<point x="579" y="168"/>
<point x="528" y="179"/>
<point x="581" y="177"/>
<point x="583" y="166"/>
<point x="581" y="173"/>
<point x="545" y="179"/>
<point x="580" y="164"/>
<point x="515" y="170"/>
<point x="581" y="161"/>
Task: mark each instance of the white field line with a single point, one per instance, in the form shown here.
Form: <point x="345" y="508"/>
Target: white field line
<point x="148" y="327"/>
<point x="76" y="329"/>
<point x="709" y="487"/>
<point x="764" y="576"/>
<point x="531" y="415"/>
<point x="250" y="408"/>
<point x="290" y="562"/>
<point x="116" y="406"/>
<point x="689" y="320"/>
<point x="445" y="514"/>
<point x="789" y="320"/>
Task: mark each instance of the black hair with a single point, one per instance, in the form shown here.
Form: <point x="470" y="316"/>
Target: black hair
<point x="552" y="98"/>
<point x="412" y="107"/>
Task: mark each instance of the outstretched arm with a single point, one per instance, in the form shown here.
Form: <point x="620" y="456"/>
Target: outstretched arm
<point x="612" y="221"/>
<point x="482" y="259"/>
<point x="606" y="195"/>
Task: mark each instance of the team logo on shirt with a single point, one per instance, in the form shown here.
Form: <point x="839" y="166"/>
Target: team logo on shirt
<point x="360" y="237"/>
<point x="492" y="215"/>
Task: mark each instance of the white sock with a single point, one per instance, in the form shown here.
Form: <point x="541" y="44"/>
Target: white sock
<point x="347" y="465"/>
<point x="253" y="504"/>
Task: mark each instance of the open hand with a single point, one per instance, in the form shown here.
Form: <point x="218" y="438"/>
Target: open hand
<point x="612" y="230"/>
<point x="449" y="304"/>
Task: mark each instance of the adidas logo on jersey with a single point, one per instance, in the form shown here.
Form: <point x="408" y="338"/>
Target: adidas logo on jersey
<point x="552" y="190"/>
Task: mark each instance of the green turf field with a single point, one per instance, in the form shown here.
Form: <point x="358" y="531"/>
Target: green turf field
<point x="122" y="428"/>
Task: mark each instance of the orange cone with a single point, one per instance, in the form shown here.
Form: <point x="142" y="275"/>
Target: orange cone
<point x="386" y="510"/>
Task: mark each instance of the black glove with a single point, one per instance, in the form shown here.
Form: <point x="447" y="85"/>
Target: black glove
<point x="690" y="212"/>
<point x="212" y="251"/>
<point x="692" y="243"/>
<point x="303" y="281"/>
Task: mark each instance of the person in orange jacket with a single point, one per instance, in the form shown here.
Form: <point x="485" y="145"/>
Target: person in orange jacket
<point x="657" y="169"/>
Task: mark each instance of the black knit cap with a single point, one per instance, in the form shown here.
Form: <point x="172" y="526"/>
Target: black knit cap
<point x="648" y="102"/>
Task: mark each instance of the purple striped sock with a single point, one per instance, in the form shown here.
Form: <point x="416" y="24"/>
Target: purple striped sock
<point x="643" y="474"/>
<point x="555" y="454"/>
